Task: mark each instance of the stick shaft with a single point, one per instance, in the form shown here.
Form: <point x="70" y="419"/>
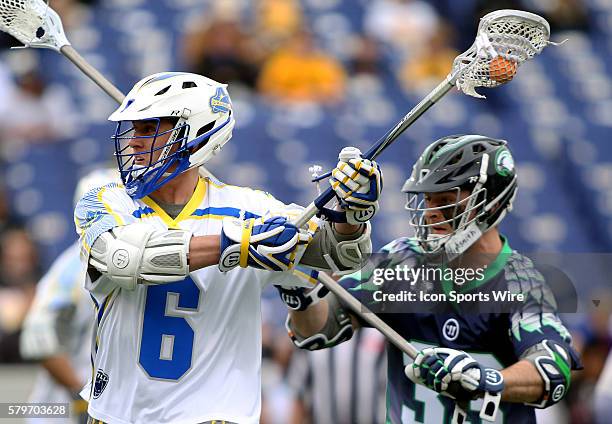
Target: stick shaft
<point x="410" y="118"/>
<point x="92" y="73"/>
<point x="368" y="316"/>
<point x="378" y="147"/>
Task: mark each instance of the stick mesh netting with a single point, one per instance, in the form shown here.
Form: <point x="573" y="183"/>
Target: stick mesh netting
<point x="23" y="19"/>
<point x="502" y="35"/>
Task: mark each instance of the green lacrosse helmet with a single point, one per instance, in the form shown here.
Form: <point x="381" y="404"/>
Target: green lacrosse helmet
<point x="479" y="165"/>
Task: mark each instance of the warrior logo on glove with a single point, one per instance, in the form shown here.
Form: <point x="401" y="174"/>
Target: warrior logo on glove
<point x="274" y="244"/>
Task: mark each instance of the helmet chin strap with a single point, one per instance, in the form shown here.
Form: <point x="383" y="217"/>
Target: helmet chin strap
<point x="453" y="245"/>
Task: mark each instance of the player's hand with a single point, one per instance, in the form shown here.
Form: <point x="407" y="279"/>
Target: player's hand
<point x="357" y="183"/>
<point x="454" y="373"/>
<point x="274" y="244"/>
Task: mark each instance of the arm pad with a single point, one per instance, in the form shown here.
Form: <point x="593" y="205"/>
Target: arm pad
<point x="553" y="363"/>
<point x="337" y="329"/>
<point x="330" y="250"/>
<point x="138" y="253"/>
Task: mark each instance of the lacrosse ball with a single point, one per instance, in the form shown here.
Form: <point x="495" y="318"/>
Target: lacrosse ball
<point x="501" y="69"/>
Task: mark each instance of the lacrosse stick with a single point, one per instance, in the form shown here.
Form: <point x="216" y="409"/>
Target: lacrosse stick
<point x="505" y="39"/>
<point x="36" y="25"/>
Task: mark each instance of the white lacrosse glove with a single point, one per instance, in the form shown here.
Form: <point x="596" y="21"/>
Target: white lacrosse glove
<point x="274" y="244"/>
<point x="357" y="183"/>
<point x="457" y="375"/>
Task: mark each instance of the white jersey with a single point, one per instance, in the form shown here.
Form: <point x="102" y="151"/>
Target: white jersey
<point x="60" y="320"/>
<point x="184" y="352"/>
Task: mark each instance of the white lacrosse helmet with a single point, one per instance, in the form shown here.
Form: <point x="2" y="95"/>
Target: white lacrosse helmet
<point x="204" y="123"/>
<point x="96" y="178"/>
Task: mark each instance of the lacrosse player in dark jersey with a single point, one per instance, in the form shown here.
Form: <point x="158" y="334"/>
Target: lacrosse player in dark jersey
<point x="491" y="331"/>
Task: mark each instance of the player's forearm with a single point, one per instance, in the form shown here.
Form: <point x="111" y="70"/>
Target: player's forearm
<point x="311" y="321"/>
<point x="204" y="251"/>
<point x="60" y="369"/>
<point x="522" y="383"/>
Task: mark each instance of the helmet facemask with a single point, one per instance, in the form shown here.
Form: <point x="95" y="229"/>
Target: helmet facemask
<point x="142" y="177"/>
<point x="459" y="215"/>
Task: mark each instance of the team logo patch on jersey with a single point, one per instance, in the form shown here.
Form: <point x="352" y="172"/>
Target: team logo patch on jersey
<point x="220" y="103"/>
<point x="100" y="383"/>
<point x="450" y="329"/>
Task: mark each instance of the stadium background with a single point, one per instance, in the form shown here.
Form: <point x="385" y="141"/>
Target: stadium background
<point x="373" y="61"/>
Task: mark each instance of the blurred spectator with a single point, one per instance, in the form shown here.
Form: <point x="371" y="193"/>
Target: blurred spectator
<point x="39" y="112"/>
<point x="345" y="384"/>
<point x="221" y="49"/>
<point x="71" y="12"/>
<point x="562" y="15"/>
<point x="18" y="260"/>
<point x="7" y="220"/>
<point x="18" y="276"/>
<point x="300" y="72"/>
<point x="405" y="25"/>
<point x="367" y="58"/>
<point x="277" y="20"/>
<point x="432" y="64"/>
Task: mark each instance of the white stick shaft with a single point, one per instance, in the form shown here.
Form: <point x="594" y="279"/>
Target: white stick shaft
<point x="368" y="316"/>
<point x="92" y="73"/>
<point x="310" y="211"/>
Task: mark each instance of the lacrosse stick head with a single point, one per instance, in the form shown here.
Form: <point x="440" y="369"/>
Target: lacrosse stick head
<point x="33" y="23"/>
<point x="505" y="39"/>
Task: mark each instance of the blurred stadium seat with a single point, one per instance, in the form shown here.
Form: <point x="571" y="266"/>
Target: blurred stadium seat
<point x="555" y="119"/>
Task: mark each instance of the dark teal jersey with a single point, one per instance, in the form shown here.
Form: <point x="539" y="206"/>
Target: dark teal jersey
<point x="495" y="330"/>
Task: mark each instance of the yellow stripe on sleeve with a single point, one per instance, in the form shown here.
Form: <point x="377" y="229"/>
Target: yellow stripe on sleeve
<point x="108" y="208"/>
<point x="244" y="242"/>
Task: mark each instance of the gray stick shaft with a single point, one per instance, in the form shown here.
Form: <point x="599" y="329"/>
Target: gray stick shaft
<point x="368" y="316"/>
<point x="416" y="112"/>
<point x="92" y="73"/>
<point x="409" y="119"/>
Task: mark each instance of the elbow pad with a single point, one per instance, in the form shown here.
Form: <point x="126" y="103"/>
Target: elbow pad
<point x="553" y="363"/>
<point x="138" y="253"/>
<point x="348" y="255"/>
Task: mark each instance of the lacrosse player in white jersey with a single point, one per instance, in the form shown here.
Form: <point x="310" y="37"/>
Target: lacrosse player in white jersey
<point x="57" y="329"/>
<point x="176" y="262"/>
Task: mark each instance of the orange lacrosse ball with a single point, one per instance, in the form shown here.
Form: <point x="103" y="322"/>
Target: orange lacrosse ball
<point x="501" y="69"/>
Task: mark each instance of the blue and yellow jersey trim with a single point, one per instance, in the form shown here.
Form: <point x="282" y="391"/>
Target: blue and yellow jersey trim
<point x="190" y="207"/>
<point x="220" y="213"/>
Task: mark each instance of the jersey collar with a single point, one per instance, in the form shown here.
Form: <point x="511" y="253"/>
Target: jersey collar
<point x="196" y="199"/>
<point x="492" y="270"/>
